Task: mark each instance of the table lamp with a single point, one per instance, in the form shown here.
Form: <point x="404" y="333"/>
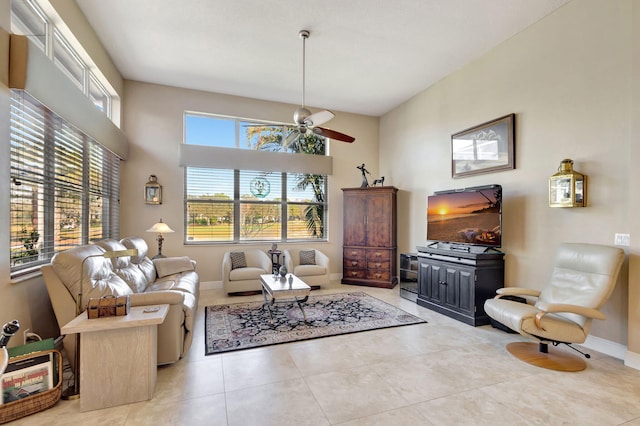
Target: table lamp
<point x="74" y="392"/>
<point x="159" y="228"/>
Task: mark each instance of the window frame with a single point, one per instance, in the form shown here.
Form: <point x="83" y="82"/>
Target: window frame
<point x="282" y="200"/>
<point x="54" y="39"/>
<point x="66" y="171"/>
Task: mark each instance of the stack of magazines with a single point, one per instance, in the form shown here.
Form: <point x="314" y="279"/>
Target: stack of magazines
<point x="27" y="377"/>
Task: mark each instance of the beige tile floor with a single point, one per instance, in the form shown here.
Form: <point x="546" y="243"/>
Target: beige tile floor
<point x="440" y="373"/>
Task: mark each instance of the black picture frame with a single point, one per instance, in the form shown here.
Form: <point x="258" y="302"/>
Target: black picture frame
<point x="485" y="148"/>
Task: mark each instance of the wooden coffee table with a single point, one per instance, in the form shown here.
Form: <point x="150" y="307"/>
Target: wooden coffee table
<point x="284" y="289"/>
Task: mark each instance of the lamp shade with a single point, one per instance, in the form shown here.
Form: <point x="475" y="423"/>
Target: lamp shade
<point x="160" y="227"/>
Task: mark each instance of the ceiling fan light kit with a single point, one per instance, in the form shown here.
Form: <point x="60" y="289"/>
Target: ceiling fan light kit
<point x="304" y="120"/>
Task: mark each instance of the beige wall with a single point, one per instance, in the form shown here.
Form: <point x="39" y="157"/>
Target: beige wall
<point x="633" y="356"/>
<point x="568" y="79"/>
<point x="153" y="122"/>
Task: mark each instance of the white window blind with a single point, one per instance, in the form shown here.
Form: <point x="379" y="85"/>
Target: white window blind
<point x="225" y="205"/>
<point x="64" y="185"/>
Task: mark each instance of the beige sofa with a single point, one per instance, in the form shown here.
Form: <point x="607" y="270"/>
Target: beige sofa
<point x="173" y="281"/>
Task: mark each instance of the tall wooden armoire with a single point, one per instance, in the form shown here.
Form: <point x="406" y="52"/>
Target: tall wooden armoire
<point x="370" y="240"/>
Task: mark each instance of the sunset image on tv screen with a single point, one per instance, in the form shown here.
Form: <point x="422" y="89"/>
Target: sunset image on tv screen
<point x="465" y="217"/>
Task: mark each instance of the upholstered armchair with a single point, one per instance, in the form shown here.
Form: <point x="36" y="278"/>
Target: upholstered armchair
<point x="582" y="279"/>
<point x="241" y="270"/>
<point x="308" y="264"/>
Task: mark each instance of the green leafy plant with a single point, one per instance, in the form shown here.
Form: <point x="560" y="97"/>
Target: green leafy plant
<point x="29" y="240"/>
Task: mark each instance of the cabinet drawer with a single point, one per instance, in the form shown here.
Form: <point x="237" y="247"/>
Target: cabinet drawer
<point x="378" y="254"/>
<point x="378" y="264"/>
<point x="354" y="254"/>
<point x="354" y="263"/>
<point x="378" y="275"/>
<point x="353" y="273"/>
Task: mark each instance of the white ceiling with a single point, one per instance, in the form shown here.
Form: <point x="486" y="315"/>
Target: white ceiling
<point x="363" y="56"/>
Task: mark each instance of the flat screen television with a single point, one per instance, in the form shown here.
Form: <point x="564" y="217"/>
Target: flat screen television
<point x="469" y="216"/>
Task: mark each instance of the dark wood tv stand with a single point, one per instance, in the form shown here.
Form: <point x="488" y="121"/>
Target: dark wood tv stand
<point x="456" y="283"/>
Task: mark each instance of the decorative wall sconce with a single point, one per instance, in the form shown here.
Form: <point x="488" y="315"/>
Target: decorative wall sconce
<point x="567" y="188"/>
<point x="152" y="191"/>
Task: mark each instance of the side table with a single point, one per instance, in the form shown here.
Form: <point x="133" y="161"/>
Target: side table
<point x="118" y="356"/>
<point x="275" y="260"/>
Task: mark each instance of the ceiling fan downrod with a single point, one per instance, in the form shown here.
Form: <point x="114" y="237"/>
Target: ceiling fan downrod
<point x="304" y="35"/>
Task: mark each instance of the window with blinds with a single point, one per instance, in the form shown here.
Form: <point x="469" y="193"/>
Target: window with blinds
<point x="235" y="205"/>
<point x="224" y="205"/>
<point x="64" y="185"/>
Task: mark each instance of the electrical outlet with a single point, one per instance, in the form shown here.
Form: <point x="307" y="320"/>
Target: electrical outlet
<point x="26" y="335"/>
<point x="622" y="240"/>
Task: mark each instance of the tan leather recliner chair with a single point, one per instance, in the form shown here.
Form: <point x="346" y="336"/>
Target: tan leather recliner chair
<point x="583" y="278"/>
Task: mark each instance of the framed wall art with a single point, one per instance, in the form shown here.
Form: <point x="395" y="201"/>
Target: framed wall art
<point x="486" y="148"/>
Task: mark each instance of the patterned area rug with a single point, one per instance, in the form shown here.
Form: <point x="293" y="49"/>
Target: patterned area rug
<point x="247" y="325"/>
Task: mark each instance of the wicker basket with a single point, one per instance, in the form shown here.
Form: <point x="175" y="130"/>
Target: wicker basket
<point x="33" y="404"/>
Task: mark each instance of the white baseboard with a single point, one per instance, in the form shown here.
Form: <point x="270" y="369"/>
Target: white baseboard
<point x="632" y="360"/>
<point x="607" y="347"/>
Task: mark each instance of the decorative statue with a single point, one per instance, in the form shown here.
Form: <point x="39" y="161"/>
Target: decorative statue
<point x="379" y="181"/>
<point x="365" y="182"/>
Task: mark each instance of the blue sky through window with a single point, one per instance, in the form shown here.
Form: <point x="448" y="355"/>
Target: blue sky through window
<point x="210" y="131"/>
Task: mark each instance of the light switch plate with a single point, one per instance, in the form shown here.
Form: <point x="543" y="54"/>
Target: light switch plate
<point x="622" y="240"/>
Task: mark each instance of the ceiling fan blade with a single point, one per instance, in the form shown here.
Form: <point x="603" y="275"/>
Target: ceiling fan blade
<point x="319" y="118"/>
<point x="332" y="134"/>
<point x="291" y="137"/>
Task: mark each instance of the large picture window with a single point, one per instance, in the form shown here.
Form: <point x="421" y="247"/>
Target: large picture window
<point x="64" y="186"/>
<point x="236" y="205"/>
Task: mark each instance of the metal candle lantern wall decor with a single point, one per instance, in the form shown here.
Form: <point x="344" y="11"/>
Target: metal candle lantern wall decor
<point x="152" y="191"/>
<point x="567" y="188"/>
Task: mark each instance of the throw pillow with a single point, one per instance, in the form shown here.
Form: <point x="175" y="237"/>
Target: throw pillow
<point x="307" y="257"/>
<point x="238" y="260"/>
<point x="172" y="265"/>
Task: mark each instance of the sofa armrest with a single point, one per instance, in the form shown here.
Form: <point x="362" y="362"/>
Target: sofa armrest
<point x="226" y="267"/>
<point x="157" y="298"/>
<point x="517" y="291"/>
<point x="322" y="259"/>
<point x="265" y="262"/>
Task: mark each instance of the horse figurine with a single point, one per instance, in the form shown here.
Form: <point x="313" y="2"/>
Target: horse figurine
<point x="379" y="181"/>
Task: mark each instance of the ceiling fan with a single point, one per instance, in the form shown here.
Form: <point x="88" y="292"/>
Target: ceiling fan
<point x="306" y="122"/>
